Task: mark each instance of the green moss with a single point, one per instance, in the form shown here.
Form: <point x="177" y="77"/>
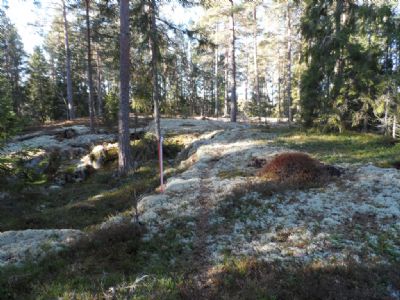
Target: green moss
<point x="111" y="154"/>
<point x="343" y="148"/>
<point x="70" y="169"/>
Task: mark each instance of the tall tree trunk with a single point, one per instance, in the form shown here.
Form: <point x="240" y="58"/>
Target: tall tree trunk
<point x="125" y="160"/>
<point x="204" y="100"/>
<point x="71" y="110"/>
<point x="216" y="100"/>
<point x="386" y="121"/>
<point x="246" y="82"/>
<point x="192" y="88"/>
<point x="226" y="79"/>
<point x="99" y="87"/>
<point x="154" y="66"/>
<point x="341" y="17"/>
<point x="394" y="126"/>
<point x="89" y="66"/>
<point x="233" y="66"/>
<point x="289" y="61"/>
<point x="255" y="64"/>
<point x="279" y="97"/>
<point x="365" y="118"/>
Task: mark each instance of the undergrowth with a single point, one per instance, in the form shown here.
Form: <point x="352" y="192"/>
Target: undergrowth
<point x="255" y="280"/>
<point x="349" y="147"/>
<point x="79" y="205"/>
<point x="108" y="262"/>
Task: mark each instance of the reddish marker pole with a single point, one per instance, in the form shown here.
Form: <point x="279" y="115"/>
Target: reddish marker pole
<point x="160" y="159"/>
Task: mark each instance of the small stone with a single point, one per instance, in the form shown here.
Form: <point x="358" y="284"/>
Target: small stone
<point x="70" y="133"/>
<point x="55" y="188"/>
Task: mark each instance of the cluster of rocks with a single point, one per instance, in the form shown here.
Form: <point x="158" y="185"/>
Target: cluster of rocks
<point x="80" y="170"/>
<point x="64" y="155"/>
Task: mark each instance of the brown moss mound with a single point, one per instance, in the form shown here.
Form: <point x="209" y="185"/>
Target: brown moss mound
<point x="298" y="169"/>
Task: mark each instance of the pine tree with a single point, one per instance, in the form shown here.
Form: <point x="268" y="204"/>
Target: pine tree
<point x="71" y="109"/>
<point x="89" y="67"/>
<point x="11" y="61"/>
<point x="39" y="92"/>
<point x="125" y="159"/>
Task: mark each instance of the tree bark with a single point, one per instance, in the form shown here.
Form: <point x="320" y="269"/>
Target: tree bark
<point x="289" y="61"/>
<point x="204" y="100"/>
<point x="125" y="161"/>
<point x="255" y="65"/>
<point x="154" y="66"/>
<point x="386" y="122"/>
<point x="89" y="70"/>
<point x="99" y="87"/>
<point x="279" y="97"/>
<point x="71" y="109"/>
<point x="246" y="82"/>
<point x="226" y="79"/>
<point x="216" y="100"/>
<point x="233" y="66"/>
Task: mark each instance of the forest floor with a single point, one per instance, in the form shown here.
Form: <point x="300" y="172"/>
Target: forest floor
<point x="218" y="231"/>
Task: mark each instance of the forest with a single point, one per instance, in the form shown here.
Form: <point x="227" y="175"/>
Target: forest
<point x="326" y="64"/>
<point x="200" y="149"/>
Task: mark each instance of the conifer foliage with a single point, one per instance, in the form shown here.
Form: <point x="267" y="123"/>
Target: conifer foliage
<point x="322" y="63"/>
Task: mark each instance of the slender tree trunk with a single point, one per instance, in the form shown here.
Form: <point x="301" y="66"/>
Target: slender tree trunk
<point x="71" y="110"/>
<point x="89" y="70"/>
<point x="99" y="87"/>
<point x="192" y="89"/>
<point x="340" y="16"/>
<point x="226" y="79"/>
<point x="279" y="99"/>
<point x="216" y="100"/>
<point x="233" y="66"/>
<point x="125" y="161"/>
<point x="365" y="120"/>
<point x="204" y="100"/>
<point x="154" y="66"/>
<point x="255" y="64"/>
<point x="289" y="61"/>
<point x="394" y="126"/>
<point x="386" y="122"/>
<point x="246" y="82"/>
